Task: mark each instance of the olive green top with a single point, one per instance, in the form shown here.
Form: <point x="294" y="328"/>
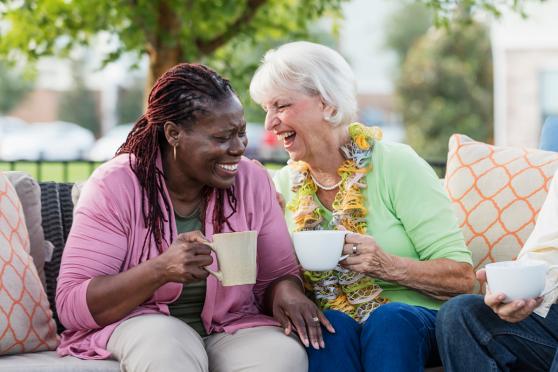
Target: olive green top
<point x="189" y="305"/>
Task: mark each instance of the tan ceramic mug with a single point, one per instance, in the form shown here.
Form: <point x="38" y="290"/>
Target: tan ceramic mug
<point x="236" y="257"/>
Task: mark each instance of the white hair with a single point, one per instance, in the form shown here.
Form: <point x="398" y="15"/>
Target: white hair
<point x="312" y="69"/>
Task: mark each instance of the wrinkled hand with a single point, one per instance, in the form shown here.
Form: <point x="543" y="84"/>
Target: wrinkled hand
<point x="369" y="258"/>
<point x="512" y="312"/>
<point x="297" y="312"/>
<point x="186" y="258"/>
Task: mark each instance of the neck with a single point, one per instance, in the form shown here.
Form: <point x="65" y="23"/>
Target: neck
<point x="328" y="158"/>
<point x="180" y="187"/>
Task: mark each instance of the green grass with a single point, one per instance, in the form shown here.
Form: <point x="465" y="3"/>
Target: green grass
<point x="76" y="171"/>
<point x="53" y="171"/>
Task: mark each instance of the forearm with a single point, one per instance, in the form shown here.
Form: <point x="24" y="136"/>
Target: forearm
<point x="284" y="283"/>
<point x="439" y="278"/>
<point x="110" y="298"/>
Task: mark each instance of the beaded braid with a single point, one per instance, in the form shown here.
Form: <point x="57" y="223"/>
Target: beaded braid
<point x="181" y="96"/>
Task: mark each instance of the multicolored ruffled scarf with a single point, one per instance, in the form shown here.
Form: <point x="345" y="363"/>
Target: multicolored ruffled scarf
<point x="340" y="289"/>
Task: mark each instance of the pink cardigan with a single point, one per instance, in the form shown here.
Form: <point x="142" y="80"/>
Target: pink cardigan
<point x="108" y="232"/>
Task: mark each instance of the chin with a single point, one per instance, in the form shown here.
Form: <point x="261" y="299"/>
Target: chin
<point x="223" y="183"/>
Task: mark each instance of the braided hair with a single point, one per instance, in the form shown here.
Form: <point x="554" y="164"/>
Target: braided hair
<point x="181" y="95"/>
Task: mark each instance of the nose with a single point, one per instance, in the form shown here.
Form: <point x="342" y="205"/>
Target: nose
<point x="238" y="146"/>
<point x="271" y="120"/>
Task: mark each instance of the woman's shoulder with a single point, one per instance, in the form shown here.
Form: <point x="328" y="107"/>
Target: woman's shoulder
<point x="118" y="168"/>
<point x="395" y="154"/>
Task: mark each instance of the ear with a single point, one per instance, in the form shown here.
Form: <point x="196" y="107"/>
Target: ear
<point x="172" y="133"/>
<point x="328" y="111"/>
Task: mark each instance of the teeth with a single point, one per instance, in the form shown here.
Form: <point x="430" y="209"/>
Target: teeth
<point x="284" y="135"/>
<point x="229" y="167"/>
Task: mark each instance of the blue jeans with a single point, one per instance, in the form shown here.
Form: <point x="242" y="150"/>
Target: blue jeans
<point x="471" y="337"/>
<point x="396" y="337"/>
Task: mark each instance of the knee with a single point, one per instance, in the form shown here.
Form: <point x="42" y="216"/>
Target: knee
<point x="290" y="355"/>
<point x="389" y="314"/>
<point x="341" y="322"/>
<point x="458" y="308"/>
<point x="454" y="313"/>
<point x="165" y="343"/>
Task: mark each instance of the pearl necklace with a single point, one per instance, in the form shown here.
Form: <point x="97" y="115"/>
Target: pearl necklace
<point x="323" y="187"/>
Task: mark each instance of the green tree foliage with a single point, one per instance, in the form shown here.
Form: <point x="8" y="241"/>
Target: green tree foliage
<point x="446" y="87"/>
<point x="405" y="26"/>
<point x="445" y="10"/>
<point x="79" y="104"/>
<point x="168" y="31"/>
<point x="13" y="87"/>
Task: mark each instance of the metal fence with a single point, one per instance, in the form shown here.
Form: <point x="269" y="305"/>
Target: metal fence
<point x="79" y="170"/>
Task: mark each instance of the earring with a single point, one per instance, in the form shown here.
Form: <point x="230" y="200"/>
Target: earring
<point x="327" y="117"/>
<point x="174" y="151"/>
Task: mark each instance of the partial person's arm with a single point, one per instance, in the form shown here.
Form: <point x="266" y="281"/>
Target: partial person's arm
<point x="444" y="267"/>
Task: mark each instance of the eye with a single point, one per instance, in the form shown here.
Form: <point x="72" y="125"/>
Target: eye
<point x="222" y="139"/>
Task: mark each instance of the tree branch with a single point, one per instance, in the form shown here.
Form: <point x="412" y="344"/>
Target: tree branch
<point x="208" y="46"/>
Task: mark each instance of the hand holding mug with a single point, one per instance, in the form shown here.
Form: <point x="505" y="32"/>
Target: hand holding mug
<point x="186" y="258"/>
<point x="366" y="256"/>
<point x="514" y="311"/>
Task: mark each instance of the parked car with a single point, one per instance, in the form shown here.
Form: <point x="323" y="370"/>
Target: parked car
<point x="106" y="146"/>
<point x="11" y="124"/>
<point x="255" y="133"/>
<point x="57" y="140"/>
<point x="263" y="144"/>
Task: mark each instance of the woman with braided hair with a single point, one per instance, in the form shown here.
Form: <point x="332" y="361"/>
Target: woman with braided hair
<point x="406" y="251"/>
<point x="137" y="249"/>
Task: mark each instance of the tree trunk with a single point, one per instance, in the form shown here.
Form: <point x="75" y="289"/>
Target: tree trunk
<point x="160" y="60"/>
<point x="163" y="48"/>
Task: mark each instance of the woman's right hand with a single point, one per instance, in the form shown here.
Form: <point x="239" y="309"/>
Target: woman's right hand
<point x="186" y="258"/>
<point x="512" y="312"/>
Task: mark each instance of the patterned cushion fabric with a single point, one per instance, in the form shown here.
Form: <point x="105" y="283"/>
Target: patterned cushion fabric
<point x="29" y="194"/>
<point x="497" y="193"/>
<point x="26" y="322"/>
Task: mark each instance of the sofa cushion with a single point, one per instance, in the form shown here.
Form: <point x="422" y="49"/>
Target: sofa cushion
<point x="49" y="361"/>
<point x="29" y="194"/>
<point x="497" y="193"/>
<point x="26" y="322"/>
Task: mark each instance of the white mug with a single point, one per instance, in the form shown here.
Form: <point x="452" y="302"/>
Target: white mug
<point x="236" y="257"/>
<point x="518" y="280"/>
<point x="319" y="250"/>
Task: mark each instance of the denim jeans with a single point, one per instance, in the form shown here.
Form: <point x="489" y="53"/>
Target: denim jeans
<point x="471" y="337"/>
<point x="396" y="337"/>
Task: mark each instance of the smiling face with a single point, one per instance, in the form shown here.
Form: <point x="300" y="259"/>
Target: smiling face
<point x="298" y="122"/>
<point x="208" y="152"/>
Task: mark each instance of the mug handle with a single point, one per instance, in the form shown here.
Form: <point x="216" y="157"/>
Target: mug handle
<point x="345" y="255"/>
<point x="217" y="274"/>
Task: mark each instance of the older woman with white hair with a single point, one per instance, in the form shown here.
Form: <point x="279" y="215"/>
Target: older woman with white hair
<point x="407" y="253"/>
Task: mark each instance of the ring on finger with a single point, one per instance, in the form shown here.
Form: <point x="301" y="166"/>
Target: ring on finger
<point x="355" y="250"/>
<point x="316" y="319"/>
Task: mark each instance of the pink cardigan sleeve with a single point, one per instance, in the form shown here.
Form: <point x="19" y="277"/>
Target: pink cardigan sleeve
<point x="275" y="250"/>
<point x="96" y="246"/>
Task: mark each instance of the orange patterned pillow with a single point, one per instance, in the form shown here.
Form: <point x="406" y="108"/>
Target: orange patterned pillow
<point x="26" y="323"/>
<point x="497" y="193"/>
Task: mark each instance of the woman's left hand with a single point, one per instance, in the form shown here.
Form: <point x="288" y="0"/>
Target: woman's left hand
<point x="366" y="256"/>
<point x="297" y="312"/>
